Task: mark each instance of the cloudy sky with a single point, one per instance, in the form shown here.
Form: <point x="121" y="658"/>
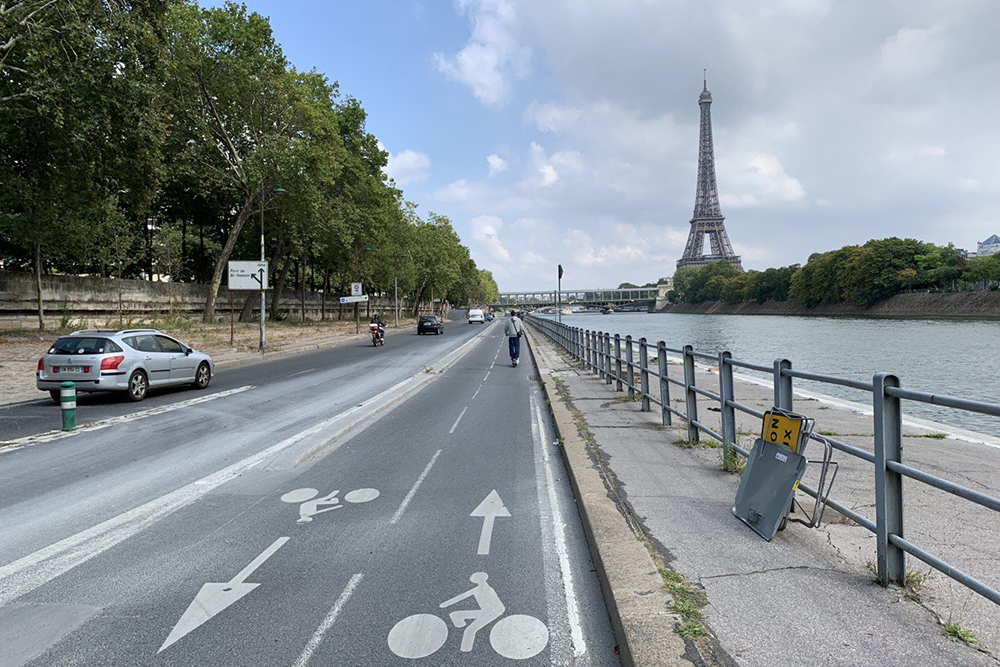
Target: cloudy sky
<point x="565" y="131"/>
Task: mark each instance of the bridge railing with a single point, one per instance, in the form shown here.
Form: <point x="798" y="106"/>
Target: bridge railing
<point x="602" y="354"/>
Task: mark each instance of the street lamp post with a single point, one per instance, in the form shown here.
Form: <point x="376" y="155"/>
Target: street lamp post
<point x="262" y="344"/>
<point x="559" y="293"/>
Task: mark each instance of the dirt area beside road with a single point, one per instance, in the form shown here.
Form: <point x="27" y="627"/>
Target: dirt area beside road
<point x="20" y="350"/>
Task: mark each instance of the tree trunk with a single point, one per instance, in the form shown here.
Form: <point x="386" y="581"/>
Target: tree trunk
<point x="418" y="295"/>
<point x="326" y="288"/>
<point x="184" y="249"/>
<point x="220" y="264"/>
<point x="302" y="291"/>
<point x="246" y="313"/>
<point x="38" y="286"/>
<point x="279" y="287"/>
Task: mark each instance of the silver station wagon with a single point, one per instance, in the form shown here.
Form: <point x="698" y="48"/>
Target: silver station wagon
<point x="133" y="361"/>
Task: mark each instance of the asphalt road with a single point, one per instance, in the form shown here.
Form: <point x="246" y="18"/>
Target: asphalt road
<point x="315" y="518"/>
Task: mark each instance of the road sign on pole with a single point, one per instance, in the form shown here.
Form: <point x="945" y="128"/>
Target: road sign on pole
<point x="248" y="275"/>
<point x="356" y="289"/>
<point x="354" y="299"/>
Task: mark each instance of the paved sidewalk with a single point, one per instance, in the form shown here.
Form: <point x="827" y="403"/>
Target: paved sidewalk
<point x="807" y="597"/>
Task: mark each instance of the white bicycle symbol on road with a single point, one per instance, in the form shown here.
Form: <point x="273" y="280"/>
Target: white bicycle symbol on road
<point x="309" y="504"/>
<point x="516" y="637"/>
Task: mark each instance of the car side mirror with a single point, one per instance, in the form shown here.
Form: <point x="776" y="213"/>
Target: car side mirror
<point x="187" y="351"/>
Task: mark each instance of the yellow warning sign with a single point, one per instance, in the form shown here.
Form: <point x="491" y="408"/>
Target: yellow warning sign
<point x="782" y="429"/>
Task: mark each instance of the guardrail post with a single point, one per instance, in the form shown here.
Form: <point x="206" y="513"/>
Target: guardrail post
<point x="644" y="373"/>
<point x="588" y="358"/>
<point x="782" y="384"/>
<point x="661" y="362"/>
<point x="607" y="358"/>
<point x="618" y="362"/>
<point x="891" y="560"/>
<point x="726" y="397"/>
<point x="67" y="403"/>
<point x="629" y="374"/>
<point x="690" y="395"/>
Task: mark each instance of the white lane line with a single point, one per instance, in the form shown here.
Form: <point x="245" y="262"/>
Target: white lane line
<point x="413" y="491"/>
<point x="460" y="415"/>
<point x="572" y="606"/>
<point x="492" y="365"/>
<point x="308" y="370"/>
<point x="487" y="375"/>
<point x="477" y="392"/>
<point x="331" y="618"/>
<point x="27" y="441"/>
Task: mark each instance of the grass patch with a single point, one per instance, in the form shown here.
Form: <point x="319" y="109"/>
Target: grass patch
<point x="697" y="444"/>
<point x="829" y="433"/>
<point x="935" y="436"/>
<point x="913" y="582"/>
<point x="733" y="461"/>
<point x="688" y="601"/>
<point x="957" y="633"/>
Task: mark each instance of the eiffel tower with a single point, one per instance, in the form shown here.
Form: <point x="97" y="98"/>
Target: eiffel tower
<point x="708" y="219"/>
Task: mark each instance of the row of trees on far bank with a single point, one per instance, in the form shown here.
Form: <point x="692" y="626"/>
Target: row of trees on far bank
<point x="861" y="275"/>
<point x="142" y="139"/>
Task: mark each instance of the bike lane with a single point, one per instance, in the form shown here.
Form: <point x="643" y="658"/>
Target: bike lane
<point x="331" y="589"/>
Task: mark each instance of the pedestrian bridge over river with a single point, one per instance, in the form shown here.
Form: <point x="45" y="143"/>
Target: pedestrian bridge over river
<point x="636" y="297"/>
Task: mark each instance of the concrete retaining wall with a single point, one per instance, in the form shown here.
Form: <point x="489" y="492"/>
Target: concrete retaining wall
<point x="983" y="304"/>
<point x="94" y="301"/>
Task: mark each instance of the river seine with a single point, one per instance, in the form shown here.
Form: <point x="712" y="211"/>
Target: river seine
<point x="956" y="357"/>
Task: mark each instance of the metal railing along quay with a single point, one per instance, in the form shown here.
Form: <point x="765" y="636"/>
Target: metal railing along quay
<point x="625" y="363"/>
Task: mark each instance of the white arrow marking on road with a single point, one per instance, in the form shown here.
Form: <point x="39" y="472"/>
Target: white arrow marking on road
<point x="489" y="509"/>
<point x="215" y="598"/>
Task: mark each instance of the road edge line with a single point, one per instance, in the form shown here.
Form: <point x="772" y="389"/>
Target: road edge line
<point x="637" y="603"/>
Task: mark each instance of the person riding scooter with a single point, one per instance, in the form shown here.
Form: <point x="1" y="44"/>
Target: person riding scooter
<point x="381" y="328"/>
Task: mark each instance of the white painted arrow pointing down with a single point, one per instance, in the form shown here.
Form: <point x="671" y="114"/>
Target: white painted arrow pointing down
<point x="489" y="509"/>
<point x="214" y="598"/>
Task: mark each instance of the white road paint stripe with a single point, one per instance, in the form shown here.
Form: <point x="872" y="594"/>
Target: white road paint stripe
<point x="460" y="415"/>
<point x="413" y="490"/>
<point x="487" y="375"/>
<point x="477" y="392"/>
<point x="331" y="618"/>
<point x="572" y="606"/>
<point x="308" y="370"/>
<point x="492" y="365"/>
<point x="49" y="436"/>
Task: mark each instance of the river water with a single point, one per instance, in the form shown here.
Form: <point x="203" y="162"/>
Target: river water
<point x="956" y="357"/>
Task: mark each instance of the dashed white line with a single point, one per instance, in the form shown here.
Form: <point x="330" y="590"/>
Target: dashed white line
<point x="477" y="392"/>
<point x="331" y="618"/>
<point x="308" y="370"/>
<point x="460" y="415"/>
<point x="487" y="375"/>
<point x="413" y="490"/>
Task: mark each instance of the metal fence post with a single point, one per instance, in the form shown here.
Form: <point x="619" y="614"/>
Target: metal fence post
<point x="618" y="362"/>
<point x="644" y="373"/>
<point x="629" y="374"/>
<point x="726" y="398"/>
<point x="588" y="361"/>
<point x="607" y="358"/>
<point x="782" y="384"/>
<point x="598" y="359"/>
<point x="690" y="395"/>
<point x="661" y="362"/>
<point x="888" y="422"/>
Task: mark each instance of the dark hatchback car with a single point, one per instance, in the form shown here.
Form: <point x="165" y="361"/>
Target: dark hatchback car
<point x="430" y="324"/>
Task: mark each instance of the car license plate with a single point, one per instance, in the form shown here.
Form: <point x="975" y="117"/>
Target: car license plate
<point x="70" y="369"/>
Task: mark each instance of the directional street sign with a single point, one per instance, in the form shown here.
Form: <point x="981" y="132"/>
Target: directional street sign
<point x="248" y="275"/>
<point x="354" y="299"/>
<point x="215" y="598"/>
<point x="489" y="509"/>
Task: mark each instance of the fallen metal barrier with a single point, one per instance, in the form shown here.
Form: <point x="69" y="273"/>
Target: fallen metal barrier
<point x="601" y="353"/>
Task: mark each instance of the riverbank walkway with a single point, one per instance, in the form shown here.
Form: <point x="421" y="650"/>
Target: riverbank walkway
<point x="809" y="596"/>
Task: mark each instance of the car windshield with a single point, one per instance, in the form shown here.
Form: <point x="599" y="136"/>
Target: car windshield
<point x="427" y="318"/>
<point x="79" y="345"/>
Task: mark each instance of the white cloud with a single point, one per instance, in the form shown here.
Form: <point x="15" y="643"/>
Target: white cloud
<point x="497" y="164"/>
<point x="913" y="52"/>
<point x="486" y="230"/>
<point x="493" y="57"/>
<point x="757" y="179"/>
<point x="408" y="166"/>
<point x="458" y="191"/>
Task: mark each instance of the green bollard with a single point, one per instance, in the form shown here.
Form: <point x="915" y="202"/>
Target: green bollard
<point x="67" y="401"/>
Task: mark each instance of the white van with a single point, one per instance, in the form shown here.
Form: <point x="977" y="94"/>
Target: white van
<point x="476" y="316"/>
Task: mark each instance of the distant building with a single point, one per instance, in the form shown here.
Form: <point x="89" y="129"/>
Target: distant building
<point x="990" y="246"/>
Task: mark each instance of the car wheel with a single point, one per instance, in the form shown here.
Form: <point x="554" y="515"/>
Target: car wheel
<point x="138" y="385"/>
<point x="56" y="396"/>
<point x="202" y="376"/>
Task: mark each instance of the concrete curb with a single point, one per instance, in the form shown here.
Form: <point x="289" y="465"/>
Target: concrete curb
<point x="633" y="589"/>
